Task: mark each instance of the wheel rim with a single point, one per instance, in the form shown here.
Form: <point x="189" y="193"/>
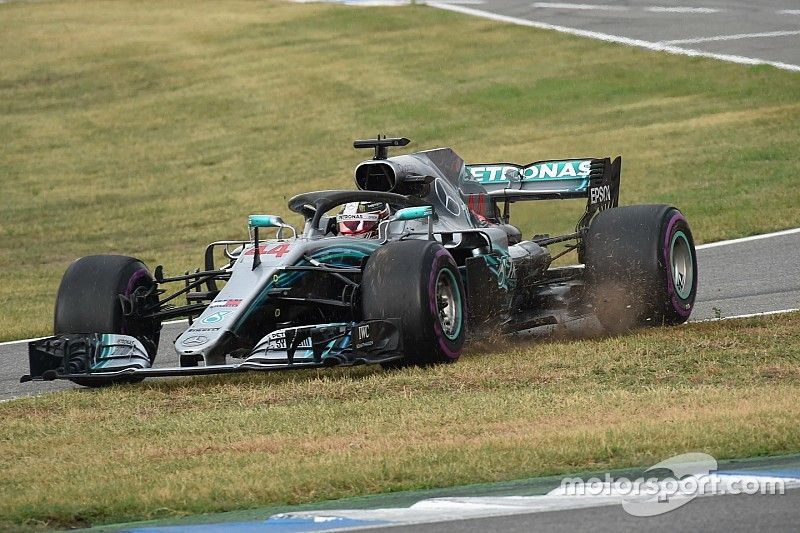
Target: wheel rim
<point x="682" y="265"/>
<point x="448" y="303"/>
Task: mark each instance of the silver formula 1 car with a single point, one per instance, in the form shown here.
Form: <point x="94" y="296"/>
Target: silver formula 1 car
<point x="398" y="272"/>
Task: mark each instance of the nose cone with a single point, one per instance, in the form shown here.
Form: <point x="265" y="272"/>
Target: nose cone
<point x="191" y="344"/>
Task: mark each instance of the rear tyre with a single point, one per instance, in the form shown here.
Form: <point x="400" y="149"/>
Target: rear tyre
<point x="88" y="301"/>
<point x="641" y="267"/>
<point x="417" y="282"/>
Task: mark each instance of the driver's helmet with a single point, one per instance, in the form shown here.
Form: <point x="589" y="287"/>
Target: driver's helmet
<point x="361" y="219"/>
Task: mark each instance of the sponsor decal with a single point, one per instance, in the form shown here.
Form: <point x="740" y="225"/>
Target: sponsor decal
<point x="368" y="217"/>
<point x="214" y="318"/>
<point x="117" y="346"/>
<point x="197" y="340"/>
<point x="506" y="271"/>
<point x="503" y="268"/>
<point x="494" y="173"/>
<point x="599" y="195"/>
<point x="557" y="170"/>
<point x="278" y="342"/>
<point x="195" y="330"/>
<point x="226" y="303"/>
<point x="363" y="336"/>
<point x="551" y="170"/>
<point x="356" y="208"/>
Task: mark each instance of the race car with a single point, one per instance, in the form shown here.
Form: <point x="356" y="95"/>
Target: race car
<point x="398" y="272"/>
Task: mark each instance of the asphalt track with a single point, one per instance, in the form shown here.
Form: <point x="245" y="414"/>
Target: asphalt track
<point x="741" y="31"/>
<point x="752" y="275"/>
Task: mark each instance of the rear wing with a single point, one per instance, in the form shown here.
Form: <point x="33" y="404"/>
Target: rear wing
<point x="597" y="180"/>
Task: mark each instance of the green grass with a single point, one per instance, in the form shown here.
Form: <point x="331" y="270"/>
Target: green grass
<point x="514" y="410"/>
<point x="151" y="128"/>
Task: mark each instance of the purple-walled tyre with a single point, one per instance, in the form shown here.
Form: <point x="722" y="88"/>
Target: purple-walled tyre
<point x="417" y="281"/>
<point x="88" y="301"/>
<point x="641" y="267"/>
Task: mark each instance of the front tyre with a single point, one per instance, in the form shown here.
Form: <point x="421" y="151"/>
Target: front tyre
<point x="417" y="281"/>
<point x="88" y="301"/>
<point x="641" y="267"/>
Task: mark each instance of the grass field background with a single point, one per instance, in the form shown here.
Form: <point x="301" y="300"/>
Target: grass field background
<point x="152" y="128"/>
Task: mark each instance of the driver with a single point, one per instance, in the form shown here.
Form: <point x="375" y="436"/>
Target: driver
<point x="361" y="219"/>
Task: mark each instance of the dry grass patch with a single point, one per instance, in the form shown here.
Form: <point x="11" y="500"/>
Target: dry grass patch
<point x="173" y="447"/>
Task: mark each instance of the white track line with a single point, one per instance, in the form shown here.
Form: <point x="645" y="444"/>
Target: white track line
<point x="580" y="7"/>
<point x="681" y="9"/>
<point x="733" y="37"/>
<point x="9" y="343"/>
<point x="606" y="7"/>
<point x="654" y="46"/>
<point x="749" y="315"/>
<point x="789" y="12"/>
<point x="748" y="239"/>
<point x="700" y="247"/>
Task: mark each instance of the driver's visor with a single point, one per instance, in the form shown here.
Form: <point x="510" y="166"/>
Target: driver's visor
<point x="357" y="223"/>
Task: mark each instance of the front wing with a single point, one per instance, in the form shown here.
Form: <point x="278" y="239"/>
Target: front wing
<point x="98" y="358"/>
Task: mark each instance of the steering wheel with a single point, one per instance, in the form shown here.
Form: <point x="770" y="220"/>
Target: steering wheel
<point x="312" y="205"/>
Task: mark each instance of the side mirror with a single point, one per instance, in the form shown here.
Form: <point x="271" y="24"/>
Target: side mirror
<point x="407" y="213"/>
<point x="265" y="221"/>
<point x="413" y="213"/>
